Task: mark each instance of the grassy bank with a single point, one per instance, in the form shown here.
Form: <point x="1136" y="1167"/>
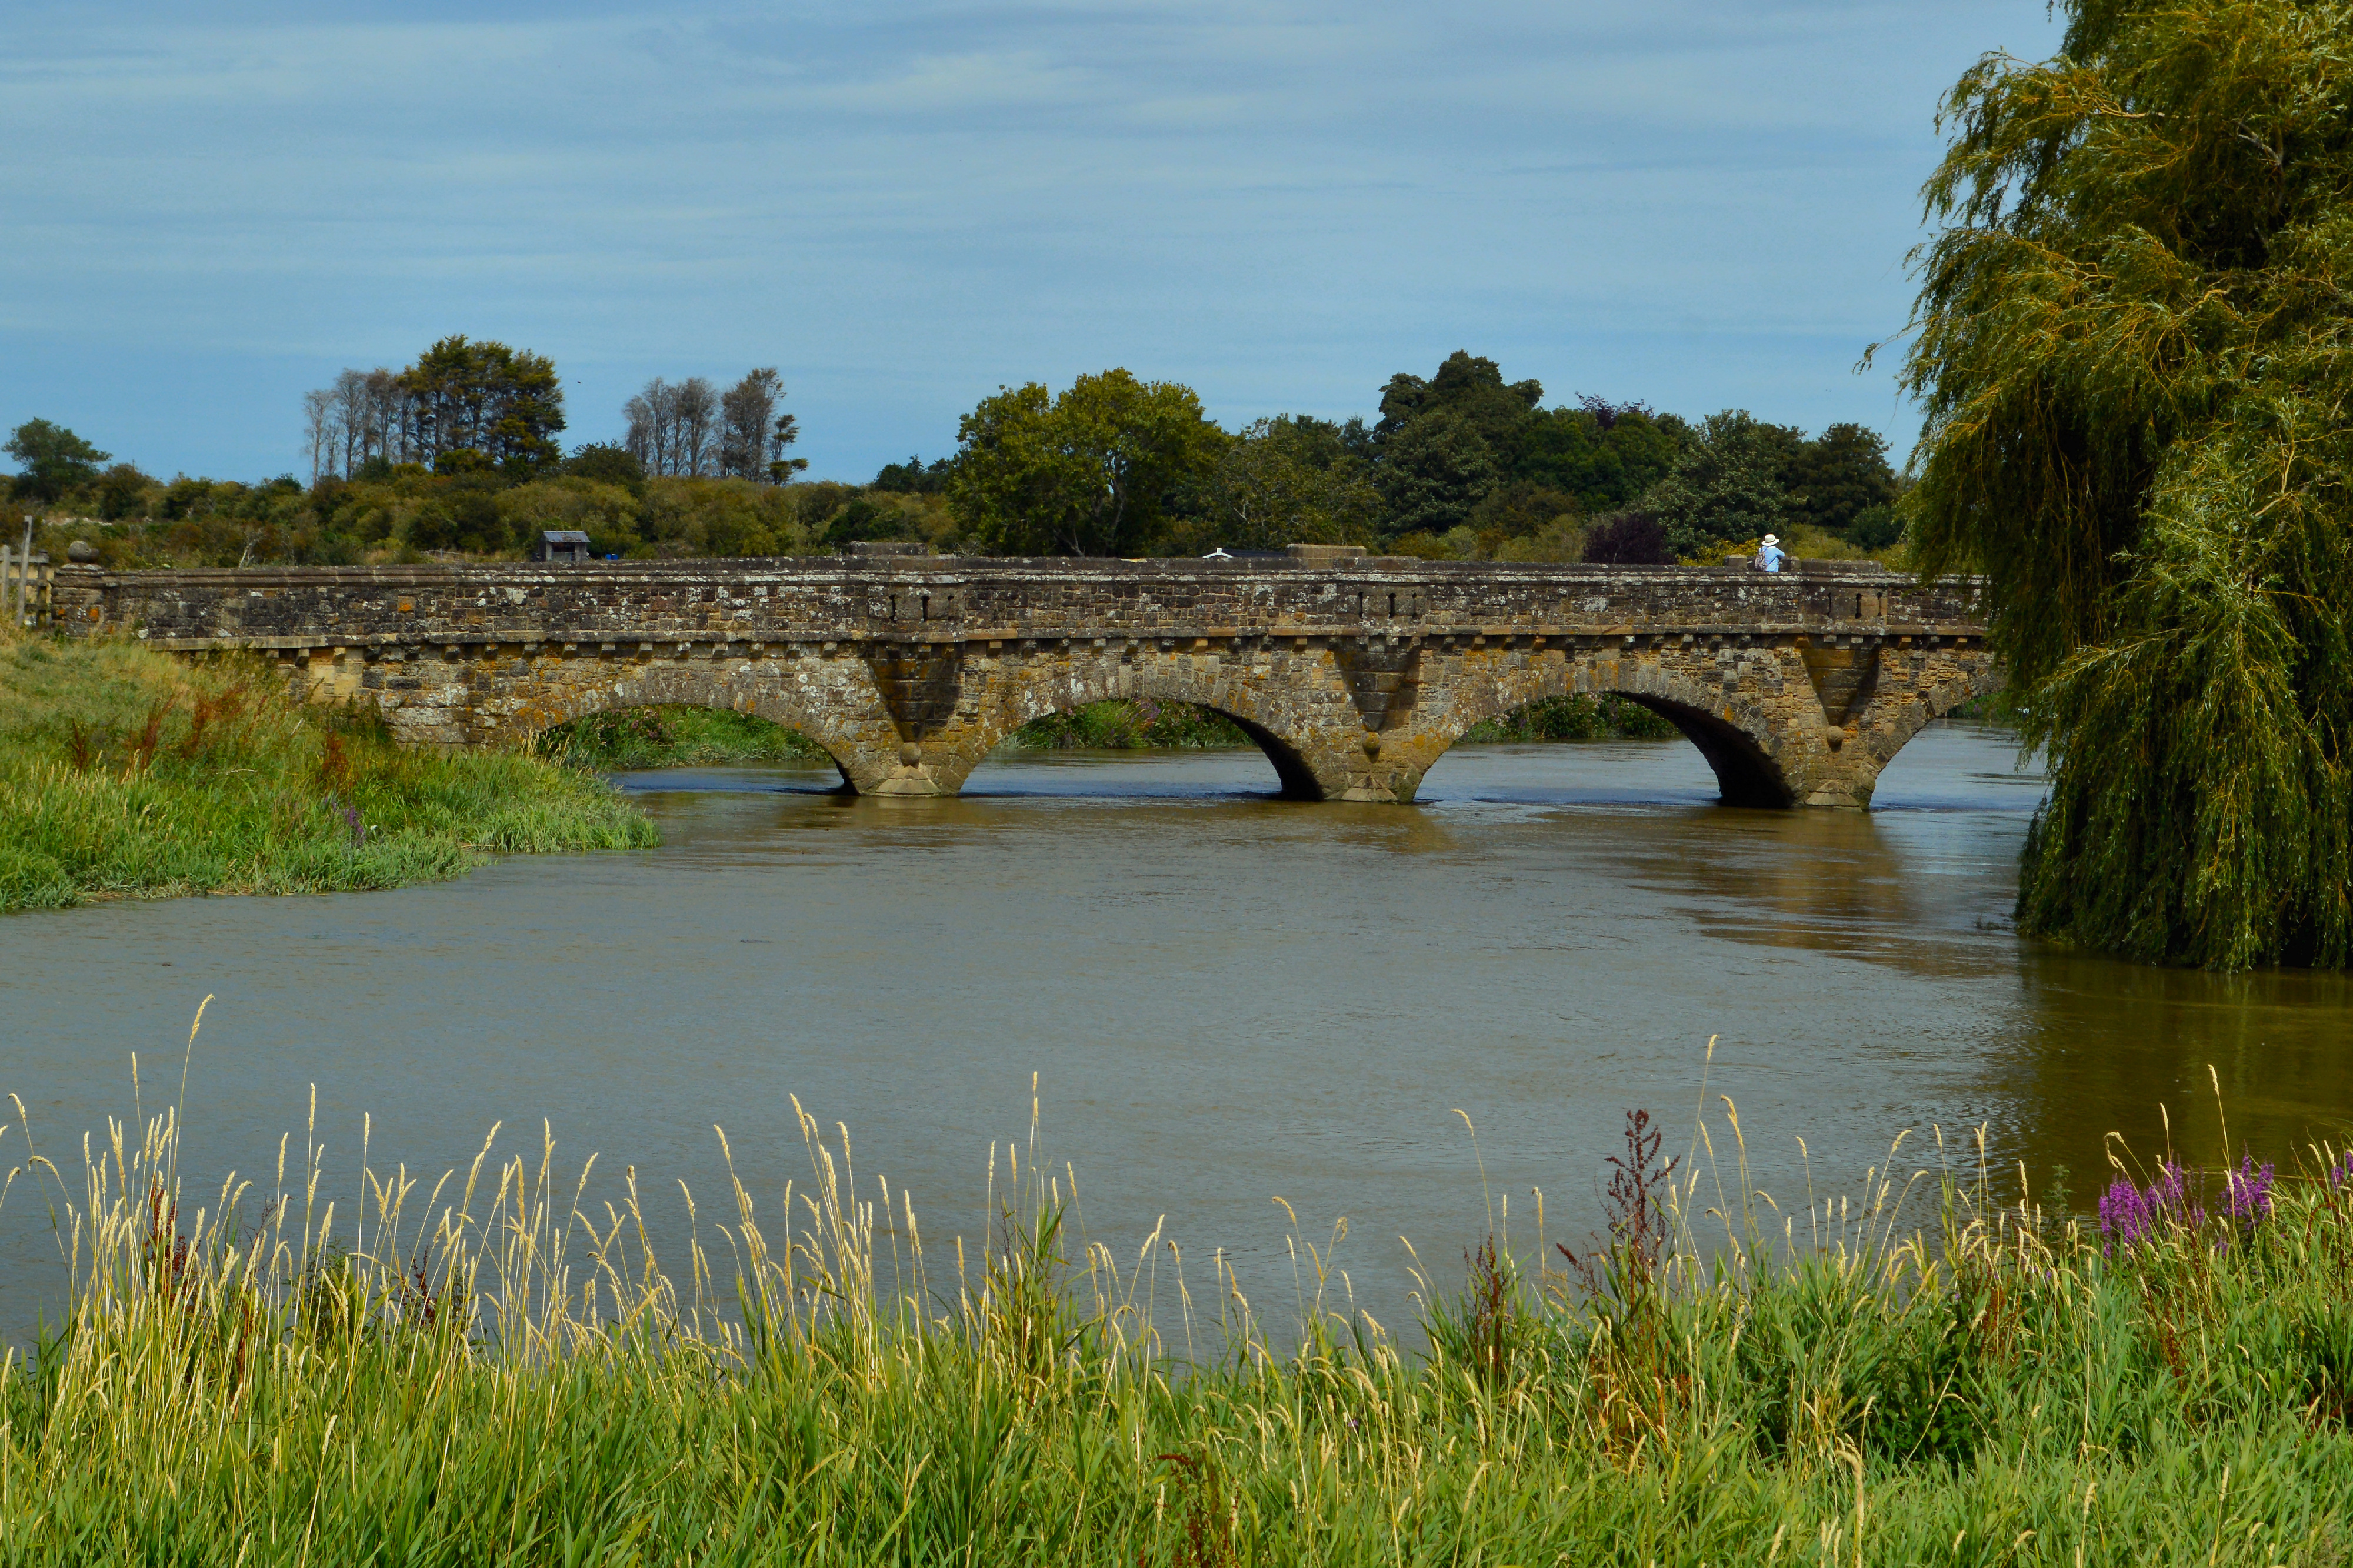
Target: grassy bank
<point x="1917" y="1371"/>
<point x="126" y="773"/>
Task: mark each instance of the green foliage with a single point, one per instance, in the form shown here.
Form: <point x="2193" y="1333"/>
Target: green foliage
<point x="721" y="516"/>
<point x="607" y="512"/>
<point x="1121" y="725"/>
<point x="608" y="463"/>
<point x="1874" y="528"/>
<point x="463" y="516"/>
<point x="1289" y="480"/>
<point x="483" y="404"/>
<point x="1725" y="485"/>
<point x="495" y="1377"/>
<point x="1835" y="480"/>
<point x="2132" y="351"/>
<point x="1443" y="443"/>
<point x="123" y="773"/>
<point x="1435" y="470"/>
<point x="913" y="476"/>
<point x="1087" y="472"/>
<point x="671" y="737"/>
<point x="1606" y="454"/>
<point x="1608" y="717"/>
<point x="833" y="514"/>
<point x="122" y="491"/>
<point x="55" y="459"/>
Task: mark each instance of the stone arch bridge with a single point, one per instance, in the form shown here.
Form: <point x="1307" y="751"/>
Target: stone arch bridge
<point x="1353" y="674"/>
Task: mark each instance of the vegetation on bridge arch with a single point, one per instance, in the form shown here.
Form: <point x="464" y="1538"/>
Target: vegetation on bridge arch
<point x="1576" y="717"/>
<point x="673" y="735"/>
<point x="2135" y="356"/>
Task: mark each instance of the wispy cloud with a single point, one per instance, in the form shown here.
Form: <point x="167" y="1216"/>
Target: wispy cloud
<point x="1701" y="203"/>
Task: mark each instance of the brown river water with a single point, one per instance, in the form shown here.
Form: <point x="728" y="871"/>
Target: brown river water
<point x="1227" y="999"/>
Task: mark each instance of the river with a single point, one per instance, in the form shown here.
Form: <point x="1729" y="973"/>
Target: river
<point x="1227" y="999"/>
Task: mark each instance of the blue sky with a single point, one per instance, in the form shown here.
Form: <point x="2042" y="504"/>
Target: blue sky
<point x="902" y="205"/>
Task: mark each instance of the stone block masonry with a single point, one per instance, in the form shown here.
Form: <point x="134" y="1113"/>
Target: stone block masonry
<point x="1353" y="675"/>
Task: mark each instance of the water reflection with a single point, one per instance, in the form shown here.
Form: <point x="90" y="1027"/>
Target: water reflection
<point x="2110" y="1043"/>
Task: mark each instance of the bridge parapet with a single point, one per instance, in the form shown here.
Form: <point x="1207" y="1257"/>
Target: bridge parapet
<point x="1354" y="677"/>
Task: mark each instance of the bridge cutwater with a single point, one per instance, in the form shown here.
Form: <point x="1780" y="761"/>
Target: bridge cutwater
<point x="1354" y="674"/>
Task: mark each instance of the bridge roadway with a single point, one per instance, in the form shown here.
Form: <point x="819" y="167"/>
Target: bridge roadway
<point x="1353" y="674"/>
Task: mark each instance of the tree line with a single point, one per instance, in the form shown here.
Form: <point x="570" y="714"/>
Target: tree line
<point x="459" y="452"/>
<point x="477" y="407"/>
<point x="462" y="408"/>
<point x="687" y="428"/>
<point x="1461" y="463"/>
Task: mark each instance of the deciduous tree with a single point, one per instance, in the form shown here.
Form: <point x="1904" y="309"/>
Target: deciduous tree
<point x="1837" y="477"/>
<point x="2134" y="358"/>
<point x="1726" y="485"/>
<point x="1291" y="481"/>
<point x="1088" y="472"/>
<point x="753" y="434"/>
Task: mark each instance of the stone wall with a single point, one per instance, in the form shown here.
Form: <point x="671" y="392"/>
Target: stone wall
<point x="1353" y="675"/>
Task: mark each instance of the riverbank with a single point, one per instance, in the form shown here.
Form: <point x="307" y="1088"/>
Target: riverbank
<point x="126" y="773"/>
<point x="1941" y="1374"/>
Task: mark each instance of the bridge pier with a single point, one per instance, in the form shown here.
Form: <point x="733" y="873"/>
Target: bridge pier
<point x="1353" y="677"/>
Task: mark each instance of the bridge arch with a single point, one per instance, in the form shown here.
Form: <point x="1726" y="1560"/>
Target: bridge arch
<point x="658" y="684"/>
<point x="1745" y="774"/>
<point x="1738" y="739"/>
<point x="1896" y="722"/>
<point x="1159" y="681"/>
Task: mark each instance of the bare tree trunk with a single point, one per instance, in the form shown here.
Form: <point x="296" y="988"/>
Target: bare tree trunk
<point x="318" y="413"/>
<point x="697" y="417"/>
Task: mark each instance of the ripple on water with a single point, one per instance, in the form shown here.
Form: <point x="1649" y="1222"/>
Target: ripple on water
<point x="1227" y="998"/>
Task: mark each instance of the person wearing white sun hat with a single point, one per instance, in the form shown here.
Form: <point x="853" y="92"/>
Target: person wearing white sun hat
<point x="1769" y="554"/>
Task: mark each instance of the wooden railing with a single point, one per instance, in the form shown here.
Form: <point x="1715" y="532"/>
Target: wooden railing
<point x="27" y="581"/>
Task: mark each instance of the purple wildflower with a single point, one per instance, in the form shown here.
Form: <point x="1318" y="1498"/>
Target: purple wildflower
<point x="358" y="827"/>
<point x="2130" y="1213"/>
<point x="2341" y="1173"/>
<point x="2251" y="1192"/>
<point x="2174" y="1192"/>
<point x="2126" y="1214"/>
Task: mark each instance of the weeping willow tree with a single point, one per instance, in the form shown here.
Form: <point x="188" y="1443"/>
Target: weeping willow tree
<point x="2132" y="348"/>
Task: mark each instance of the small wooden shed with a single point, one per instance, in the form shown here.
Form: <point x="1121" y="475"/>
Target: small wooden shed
<point x="566" y="545"/>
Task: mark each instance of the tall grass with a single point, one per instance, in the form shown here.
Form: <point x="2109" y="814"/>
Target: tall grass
<point x="124" y="773"/>
<point x="480" y="1369"/>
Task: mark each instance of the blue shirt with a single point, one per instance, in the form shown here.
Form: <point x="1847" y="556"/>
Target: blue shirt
<point x="1769" y="558"/>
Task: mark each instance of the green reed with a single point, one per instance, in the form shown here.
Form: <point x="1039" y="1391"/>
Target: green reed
<point x="489" y="1368"/>
<point x="125" y="773"/>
